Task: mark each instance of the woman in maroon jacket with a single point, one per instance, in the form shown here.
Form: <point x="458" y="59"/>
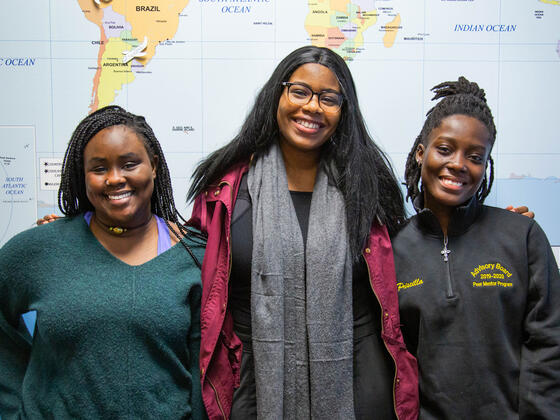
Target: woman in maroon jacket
<point x="298" y="270"/>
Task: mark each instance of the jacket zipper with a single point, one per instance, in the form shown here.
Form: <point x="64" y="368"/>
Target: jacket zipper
<point x="385" y="344"/>
<point x="445" y="254"/>
<point x="228" y="239"/>
<point x="217" y="398"/>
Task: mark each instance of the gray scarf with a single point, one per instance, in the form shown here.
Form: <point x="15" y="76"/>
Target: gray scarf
<point x="301" y="299"/>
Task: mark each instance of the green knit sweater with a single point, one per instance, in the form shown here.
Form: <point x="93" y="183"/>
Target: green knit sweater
<point x="112" y="341"/>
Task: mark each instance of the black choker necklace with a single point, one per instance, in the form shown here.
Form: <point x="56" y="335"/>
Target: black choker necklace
<point x="119" y="230"/>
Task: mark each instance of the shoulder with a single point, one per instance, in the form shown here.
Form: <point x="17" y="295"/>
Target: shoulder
<point x="173" y="236"/>
<point x="509" y="230"/>
<point x="189" y="236"/>
<point x="232" y="177"/>
<point x="405" y="231"/>
<point x="497" y="218"/>
<point x="223" y="191"/>
<point x="196" y="242"/>
<point x="48" y="232"/>
<point x="500" y="212"/>
<point x="235" y="173"/>
<point x="41" y="243"/>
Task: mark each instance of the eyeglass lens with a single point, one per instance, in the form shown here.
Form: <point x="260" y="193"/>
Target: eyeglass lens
<point x="302" y="95"/>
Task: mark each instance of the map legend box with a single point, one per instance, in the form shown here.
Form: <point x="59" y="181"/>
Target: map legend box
<point x="50" y="170"/>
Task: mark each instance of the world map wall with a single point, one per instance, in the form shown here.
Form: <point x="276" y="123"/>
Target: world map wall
<point x="193" y="68"/>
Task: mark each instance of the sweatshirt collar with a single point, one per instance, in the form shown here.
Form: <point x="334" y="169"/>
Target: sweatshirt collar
<point x="462" y="217"/>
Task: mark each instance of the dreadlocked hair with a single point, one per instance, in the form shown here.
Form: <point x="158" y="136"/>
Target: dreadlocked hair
<point x="460" y="97"/>
<point x="72" y="197"/>
<point x="351" y="159"/>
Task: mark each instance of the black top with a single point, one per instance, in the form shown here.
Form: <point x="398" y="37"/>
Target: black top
<point x="483" y="322"/>
<point x="373" y="366"/>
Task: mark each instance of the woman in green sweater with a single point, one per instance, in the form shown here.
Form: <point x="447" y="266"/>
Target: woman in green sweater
<point x="115" y="284"/>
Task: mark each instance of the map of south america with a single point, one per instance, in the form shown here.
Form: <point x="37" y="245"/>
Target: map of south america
<point x="129" y="34"/>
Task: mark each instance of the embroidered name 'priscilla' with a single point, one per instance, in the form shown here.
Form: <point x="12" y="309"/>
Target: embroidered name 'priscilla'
<point x="414" y="283"/>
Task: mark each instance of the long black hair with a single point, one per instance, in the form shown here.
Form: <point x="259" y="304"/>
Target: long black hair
<point x="460" y="97"/>
<point x="72" y="197"/>
<point x="353" y="162"/>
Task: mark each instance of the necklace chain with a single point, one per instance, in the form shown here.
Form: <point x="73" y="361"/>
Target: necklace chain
<point x="445" y="252"/>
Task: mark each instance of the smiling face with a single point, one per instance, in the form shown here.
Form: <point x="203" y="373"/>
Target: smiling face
<point x="307" y="127"/>
<point x="453" y="162"/>
<point x="119" y="177"/>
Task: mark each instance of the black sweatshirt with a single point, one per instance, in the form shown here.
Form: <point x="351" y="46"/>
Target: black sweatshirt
<point x="485" y="324"/>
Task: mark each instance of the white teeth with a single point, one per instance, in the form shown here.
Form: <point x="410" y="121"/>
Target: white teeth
<point x="308" y="124"/>
<point x="451" y="182"/>
<point x="119" y="196"/>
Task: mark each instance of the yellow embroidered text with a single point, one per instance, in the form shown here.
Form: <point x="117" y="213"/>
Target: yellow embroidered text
<point x="414" y="283"/>
<point x="491" y="267"/>
<point x="491" y="284"/>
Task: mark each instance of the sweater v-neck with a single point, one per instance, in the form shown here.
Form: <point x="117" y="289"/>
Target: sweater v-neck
<point x="88" y="234"/>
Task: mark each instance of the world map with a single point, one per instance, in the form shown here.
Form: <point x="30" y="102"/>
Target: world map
<point x="193" y="68"/>
<point x="122" y="26"/>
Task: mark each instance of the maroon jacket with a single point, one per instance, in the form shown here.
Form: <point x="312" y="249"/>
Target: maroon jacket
<point x="220" y="348"/>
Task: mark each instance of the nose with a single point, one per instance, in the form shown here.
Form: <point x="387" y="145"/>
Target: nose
<point x="114" y="177"/>
<point x="457" y="162"/>
<point x="313" y="104"/>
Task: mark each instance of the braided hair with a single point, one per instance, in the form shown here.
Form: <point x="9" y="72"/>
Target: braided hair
<point x="72" y="197"/>
<point x="460" y="97"/>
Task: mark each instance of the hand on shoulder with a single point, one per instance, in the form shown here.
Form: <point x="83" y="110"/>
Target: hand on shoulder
<point x="523" y="210"/>
<point x="47" y="219"/>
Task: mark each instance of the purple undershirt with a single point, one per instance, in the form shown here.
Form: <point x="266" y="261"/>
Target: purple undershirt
<point x="164" y="238"/>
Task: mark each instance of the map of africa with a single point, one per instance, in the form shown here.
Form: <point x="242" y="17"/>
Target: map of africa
<point x="193" y="68"/>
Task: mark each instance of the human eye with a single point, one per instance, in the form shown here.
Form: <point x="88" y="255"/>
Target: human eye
<point x="443" y="149"/>
<point x="476" y="158"/>
<point x="299" y="91"/>
<point x="97" y="169"/>
<point x="130" y="165"/>
<point x="329" y="99"/>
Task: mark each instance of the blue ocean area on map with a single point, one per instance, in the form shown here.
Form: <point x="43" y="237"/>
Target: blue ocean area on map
<point x="485" y="28"/>
<point x="233" y="6"/>
<point x="17" y="61"/>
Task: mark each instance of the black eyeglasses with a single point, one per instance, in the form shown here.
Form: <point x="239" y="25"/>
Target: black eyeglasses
<point x="301" y="94"/>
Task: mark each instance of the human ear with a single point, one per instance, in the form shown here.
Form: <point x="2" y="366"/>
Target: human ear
<point x="420" y="154"/>
<point x="155" y="161"/>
